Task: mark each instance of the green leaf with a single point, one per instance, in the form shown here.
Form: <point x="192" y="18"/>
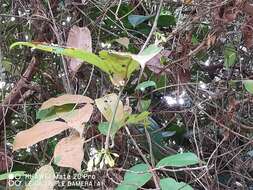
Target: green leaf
<point x="12" y="175"/>
<point x="179" y="160"/>
<point x="151" y="50"/>
<point x="135" y="178"/>
<point x="137" y="19"/>
<point x="137" y="118"/>
<point x="147" y="54"/>
<point x="57" y="160"/>
<point x="166" y="21"/>
<point x="6" y="65"/>
<point x="194" y="40"/>
<point x="248" y="84"/>
<point x="71" y="52"/>
<point x="170" y="183"/>
<point x="54" y="112"/>
<point x="229" y="56"/>
<point x="145" y="104"/>
<point x="104" y="126"/>
<point x="142" y="86"/>
<point x="119" y="66"/>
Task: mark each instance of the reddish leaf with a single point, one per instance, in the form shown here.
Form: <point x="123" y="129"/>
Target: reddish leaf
<point x="79" y="37"/>
<point x="77" y="117"/>
<point x="69" y="152"/>
<point x="155" y="65"/>
<point x="39" y="132"/>
<point x="66" y="99"/>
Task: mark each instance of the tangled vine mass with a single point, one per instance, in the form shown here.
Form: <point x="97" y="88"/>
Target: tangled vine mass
<point x="126" y="94"/>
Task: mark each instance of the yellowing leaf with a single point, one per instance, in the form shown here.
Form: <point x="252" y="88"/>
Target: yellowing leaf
<point x="71" y="52"/>
<point x="37" y="133"/>
<point x="77" y="117"/>
<point x="65" y="99"/>
<point x="106" y="106"/>
<point x="43" y="179"/>
<point x="69" y="152"/>
<point x="114" y="64"/>
<point x="79" y="37"/>
<point x="119" y="65"/>
<point x="150" y="52"/>
<point x="138" y="118"/>
<point x="109" y="160"/>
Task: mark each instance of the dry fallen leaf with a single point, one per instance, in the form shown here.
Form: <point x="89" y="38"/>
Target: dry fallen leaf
<point x="77" y="117"/>
<point x="43" y="179"/>
<point x="106" y="106"/>
<point x="247" y="31"/>
<point x="66" y="99"/>
<point x="69" y="152"/>
<point x="211" y="38"/>
<point x="79" y="37"/>
<point x="39" y="132"/>
<point x="188" y="2"/>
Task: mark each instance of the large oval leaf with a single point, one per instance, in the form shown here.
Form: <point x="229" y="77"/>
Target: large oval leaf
<point x="79" y="37"/>
<point x="77" y="117"/>
<point x="71" y="52"/>
<point x="43" y="179"/>
<point x="179" y="160"/>
<point x="104" y="126"/>
<point x="170" y="183"/>
<point x="69" y="152"/>
<point x="150" y="52"/>
<point x="66" y="99"/>
<point x="54" y="112"/>
<point x="37" y="133"/>
<point x="118" y="66"/>
<point x="136" y="177"/>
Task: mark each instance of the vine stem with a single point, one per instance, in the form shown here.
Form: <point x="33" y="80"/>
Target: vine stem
<point x="112" y="120"/>
<point x="150" y="35"/>
<point x="154" y="174"/>
<point x="153" y="27"/>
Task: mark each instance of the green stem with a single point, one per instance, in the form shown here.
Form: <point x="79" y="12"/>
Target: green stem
<point x="112" y="120"/>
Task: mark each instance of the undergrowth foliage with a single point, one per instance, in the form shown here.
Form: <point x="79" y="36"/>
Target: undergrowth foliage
<point x="141" y="95"/>
<point x="69" y="151"/>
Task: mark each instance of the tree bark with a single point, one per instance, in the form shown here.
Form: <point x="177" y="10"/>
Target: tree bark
<point x="16" y="93"/>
